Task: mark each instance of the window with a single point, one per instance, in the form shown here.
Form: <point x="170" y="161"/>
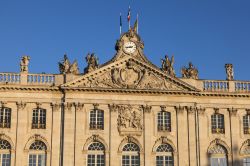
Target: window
<point x="37" y="154"/>
<point x="96" y="119"/>
<point x="39" y="119"/>
<point x="218" y="156"/>
<point x="246" y="162"/>
<point x="217" y="123"/>
<point x="96" y="155"/>
<point x="164" y="121"/>
<point x="246" y="124"/>
<point x="5" y="155"/>
<point x="130" y="155"/>
<point x="5" y="117"/>
<point x="164" y="155"/>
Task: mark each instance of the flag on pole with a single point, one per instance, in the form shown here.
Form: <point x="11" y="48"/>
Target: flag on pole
<point x="129" y="16"/>
<point x="120" y="23"/>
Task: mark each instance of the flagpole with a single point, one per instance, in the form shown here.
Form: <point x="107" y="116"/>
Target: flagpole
<point x="137" y="24"/>
<point x="129" y="17"/>
<point x="120" y="23"/>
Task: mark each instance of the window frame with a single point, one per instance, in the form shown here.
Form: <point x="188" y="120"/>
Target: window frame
<point x="131" y="154"/>
<point x="96" y="119"/>
<point x="39" y="118"/>
<point x="5" y="117"/>
<point x="165" y="153"/>
<point x="218" y="123"/>
<point x="37" y="151"/>
<point x="164" y="121"/>
<point x="246" y="124"/>
<point x="5" y="149"/>
<point x="96" y="153"/>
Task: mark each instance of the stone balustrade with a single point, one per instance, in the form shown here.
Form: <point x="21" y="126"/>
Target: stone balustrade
<point x="242" y="86"/>
<point x="41" y="79"/>
<point x="9" y="78"/>
<point x="215" y="86"/>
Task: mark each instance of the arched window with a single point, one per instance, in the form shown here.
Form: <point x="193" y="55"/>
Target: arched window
<point x="218" y="123"/>
<point x="96" y="119"/>
<point x="131" y="155"/>
<point x="5" y="117"/>
<point x="164" y="155"/>
<point x="5" y="155"/>
<point x="39" y="119"/>
<point x="37" y="154"/>
<point x="96" y="155"/>
<point x="218" y="155"/>
<point x="246" y="124"/>
<point x="164" y="121"/>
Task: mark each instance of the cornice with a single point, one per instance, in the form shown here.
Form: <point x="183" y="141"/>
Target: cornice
<point x="28" y="88"/>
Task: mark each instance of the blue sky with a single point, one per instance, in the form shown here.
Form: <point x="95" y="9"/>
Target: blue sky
<point x="209" y="33"/>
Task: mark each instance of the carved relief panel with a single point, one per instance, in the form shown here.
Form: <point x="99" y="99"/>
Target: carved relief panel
<point x="130" y="119"/>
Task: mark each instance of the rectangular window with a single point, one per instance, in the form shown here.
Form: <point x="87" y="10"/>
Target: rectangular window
<point x="5" y="117"/>
<point x="96" y="119"/>
<point x="4" y="159"/>
<point x="217" y="121"/>
<point x="39" y="119"/>
<point x="37" y="160"/>
<point x="246" y="124"/>
<point x="164" y="121"/>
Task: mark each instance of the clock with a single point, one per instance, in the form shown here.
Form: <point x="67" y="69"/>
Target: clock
<point x="129" y="47"/>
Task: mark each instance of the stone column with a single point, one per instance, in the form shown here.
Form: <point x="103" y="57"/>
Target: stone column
<point x="115" y="158"/>
<point x="69" y="134"/>
<point x="79" y="134"/>
<point x="55" y="133"/>
<point x="192" y="150"/>
<point x="182" y="135"/>
<point x="147" y="133"/>
<point x="234" y="136"/>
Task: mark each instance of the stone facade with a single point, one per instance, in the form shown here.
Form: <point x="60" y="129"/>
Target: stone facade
<point x="127" y="93"/>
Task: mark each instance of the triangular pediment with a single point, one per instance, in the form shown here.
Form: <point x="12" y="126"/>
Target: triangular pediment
<point x="129" y="73"/>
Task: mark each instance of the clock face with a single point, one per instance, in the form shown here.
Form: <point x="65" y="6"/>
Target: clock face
<point x="129" y="47"/>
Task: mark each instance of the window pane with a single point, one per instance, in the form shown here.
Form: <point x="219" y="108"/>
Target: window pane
<point x="32" y="160"/>
<point x="6" y="160"/>
<point x="125" y="160"/>
<point x="91" y="160"/>
<point x="42" y="160"/>
<point x="246" y="162"/>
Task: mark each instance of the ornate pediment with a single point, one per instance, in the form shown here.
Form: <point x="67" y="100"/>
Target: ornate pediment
<point x="129" y="73"/>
